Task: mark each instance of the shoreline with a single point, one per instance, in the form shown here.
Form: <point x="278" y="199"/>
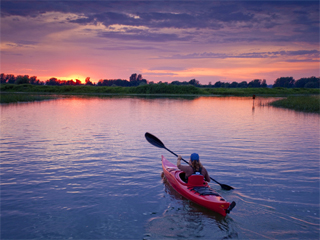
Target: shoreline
<point x="225" y="94"/>
<point x="298" y="99"/>
<point x="154" y="89"/>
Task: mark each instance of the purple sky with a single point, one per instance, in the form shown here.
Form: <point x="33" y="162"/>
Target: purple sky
<point x="162" y="40"/>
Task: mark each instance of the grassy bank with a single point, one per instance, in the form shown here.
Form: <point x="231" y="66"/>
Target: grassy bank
<point x="261" y="91"/>
<point x="157" y="89"/>
<point x="299" y="103"/>
<point x="300" y="99"/>
<point x="16" y="97"/>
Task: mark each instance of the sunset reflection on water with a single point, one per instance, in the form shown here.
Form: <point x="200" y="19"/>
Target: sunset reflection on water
<point x="80" y="167"/>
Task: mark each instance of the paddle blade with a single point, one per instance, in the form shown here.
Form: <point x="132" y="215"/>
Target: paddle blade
<point x="226" y="187"/>
<point x="154" y="140"/>
<point x="223" y="186"/>
<point x="232" y="205"/>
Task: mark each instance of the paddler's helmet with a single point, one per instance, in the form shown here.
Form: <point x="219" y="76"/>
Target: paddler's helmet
<point x="194" y="157"/>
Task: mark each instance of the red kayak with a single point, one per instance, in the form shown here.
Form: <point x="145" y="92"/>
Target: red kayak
<point x="197" y="190"/>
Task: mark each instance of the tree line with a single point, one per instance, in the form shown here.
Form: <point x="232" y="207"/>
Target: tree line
<point x="289" y="82"/>
<point x="137" y="80"/>
<point x="134" y="80"/>
<point x="20" y="79"/>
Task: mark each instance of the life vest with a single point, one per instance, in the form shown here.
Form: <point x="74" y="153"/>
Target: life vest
<point x="196" y="179"/>
<point x="197" y="172"/>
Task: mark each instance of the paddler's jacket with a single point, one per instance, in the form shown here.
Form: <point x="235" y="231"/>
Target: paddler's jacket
<point x="189" y="171"/>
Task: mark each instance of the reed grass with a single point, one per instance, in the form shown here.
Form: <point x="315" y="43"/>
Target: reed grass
<point x="299" y="103"/>
<point x="157" y="89"/>
<point x="22" y="97"/>
<point x="278" y="91"/>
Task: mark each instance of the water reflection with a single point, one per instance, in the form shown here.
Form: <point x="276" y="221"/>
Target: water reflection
<point x="81" y="168"/>
<point x="185" y="219"/>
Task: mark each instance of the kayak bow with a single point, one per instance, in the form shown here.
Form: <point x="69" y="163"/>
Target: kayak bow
<point x="196" y="190"/>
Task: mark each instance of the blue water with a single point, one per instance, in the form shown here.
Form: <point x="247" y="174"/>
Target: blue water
<point x="80" y="168"/>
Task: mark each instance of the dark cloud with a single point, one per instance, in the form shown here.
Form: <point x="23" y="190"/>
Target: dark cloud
<point x="107" y="18"/>
<point x="21" y="44"/>
<point x="159" y="74"/>
<point x="151" y="20"/>
<point x="30" y="8"/>
<point x="276" y="54"/>
<point x="301" y="52"/>
<point x="143" y="36"/>
<point x="301" y="60"/>
<point x="27" y="42"/>
<point x="301" y="16"/>
<point x="305" y="17"/>
<point x="229" y="12"/>
<point x="167" y="68"/>
<point x="126" y="48"/>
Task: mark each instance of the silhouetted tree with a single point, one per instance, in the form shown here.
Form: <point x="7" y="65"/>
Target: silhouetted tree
<point x="243" y="84"/>
<point x="255" y="83"/>
<point x="311" y="82"/>
<point x="22" y="79"/>
<point x="218" y="84"/>
<point x="175" y="83"/>
<point x="88" y="82"/>
<point x="11" y="78"/>
<point x="225" y="85"/>
<point x="33" y="80"/>
<point x="234" y="85"/>
<point x="143" y="82"/>
<point x="133" y="77"/>
<point x="3" y="78"/>
<point x="194" y="82"/>
<point x="136" y="80"/>
<point x="113" y="82"/>
<point x="287" y="82"/>
<point x="52" y="81"/>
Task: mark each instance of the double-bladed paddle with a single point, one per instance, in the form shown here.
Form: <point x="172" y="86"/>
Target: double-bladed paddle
<point x="156" y="142"/>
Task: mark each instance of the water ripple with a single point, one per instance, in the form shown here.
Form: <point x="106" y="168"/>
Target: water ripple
<point x="81" y="168"/>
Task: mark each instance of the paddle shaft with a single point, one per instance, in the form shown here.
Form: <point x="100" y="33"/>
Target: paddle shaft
<point x="177" y="156"/>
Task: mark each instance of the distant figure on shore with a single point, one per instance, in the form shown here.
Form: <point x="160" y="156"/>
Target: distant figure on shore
<point x="253" y="97"/>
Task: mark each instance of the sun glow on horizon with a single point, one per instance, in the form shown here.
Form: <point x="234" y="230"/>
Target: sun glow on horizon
<point x="77" y="76"/>
<point x="73" y="77"/>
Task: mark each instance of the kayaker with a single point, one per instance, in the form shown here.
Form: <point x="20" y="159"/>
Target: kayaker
<point x="195" y="167"/>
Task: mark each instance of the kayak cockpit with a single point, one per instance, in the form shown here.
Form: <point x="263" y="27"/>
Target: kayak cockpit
<point x="182" y="176"/>
<point x="193" y="180"/>
<point x="204" y="191"/>
<point x="196" y="184"/>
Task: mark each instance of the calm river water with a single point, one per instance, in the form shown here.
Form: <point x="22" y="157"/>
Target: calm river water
<point x="80" y="168"/>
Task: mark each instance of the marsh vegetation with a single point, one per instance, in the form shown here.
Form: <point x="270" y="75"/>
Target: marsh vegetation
<point x="299" y="103"/>
<point x="23" y="97"/>
<point x="156" y="89"/>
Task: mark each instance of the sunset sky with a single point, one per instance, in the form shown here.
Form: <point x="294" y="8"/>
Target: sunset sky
<point x="162" y="40"/>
